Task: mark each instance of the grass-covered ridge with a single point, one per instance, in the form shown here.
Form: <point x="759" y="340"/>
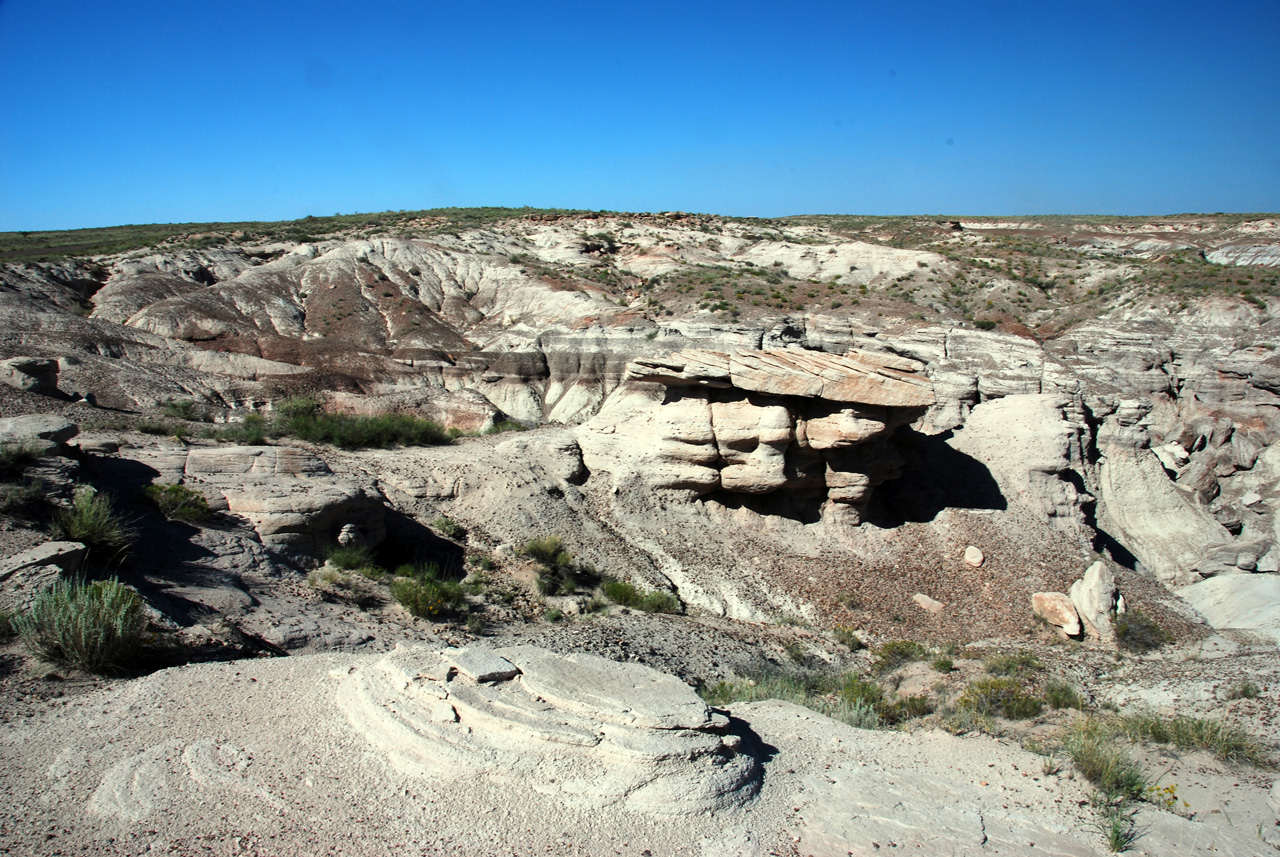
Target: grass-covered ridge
<point x="52" y="245"/>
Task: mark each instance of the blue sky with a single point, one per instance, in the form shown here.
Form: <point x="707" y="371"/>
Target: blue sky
<point x="138" y="112"/>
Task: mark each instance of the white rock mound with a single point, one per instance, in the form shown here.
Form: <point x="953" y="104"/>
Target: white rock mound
<point x="585" y="730"/>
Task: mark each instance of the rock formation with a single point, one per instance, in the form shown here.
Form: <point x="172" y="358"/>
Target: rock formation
<point x="810" y="428"/>
<point x="578" y="727"/>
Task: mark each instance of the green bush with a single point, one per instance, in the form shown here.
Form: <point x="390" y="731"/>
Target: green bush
<point x="1244" y="689"/>
<point x="253" y="430"/>
<point x="625" y="593"/>
<point x="558" y="574"/>
<point x="1000" y="696"/>
<point x="1014" y="664"/>
<point x="426" y="597"/>
<point x="1061" y="694"/>
<point x="448" y="527"/>
<point x="943" y="665"/>
<point x="95" y="627"/>
<point x="303" y="419"/>
<point x="844" y="698"/>
<point x="93" y="521"/>
<point x="907" y="708"/>
<point x="178" y="502"/>
<point x="896" y="653"/>
<point x="1137" y="632"/>
<point x="846" y="637"/>
<point x="184" y="409"/>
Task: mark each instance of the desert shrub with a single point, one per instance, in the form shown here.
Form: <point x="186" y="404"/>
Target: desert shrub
<point x="896" y="653"/>
<point x="1243" y="689"/>
<point x="818" y="691"/>
<point x="426" y="597"/>
<point x="7" y="628"/>
<point x="1000" y="696"/>
<point x="846" y="637"/>
<point x="1014" y="664"/>
<point x="506" y="426"/>
<point x="93" y="520"/>
<point x="178" y="502"/>
<point x="482" y="561"/>
<point x="625" y="593"/>
<point x="1099" y="758"/>
<point x="558" y="574"/>
<point x="476" y="625"/>
<point x="95" y="627"/>
<point x="184" y="409"/>
<point x="253" y="430"/>
<point x="1137" y="632"/>
<point x="156" y="427"/>
<point x="448" y="527"/>
<point x="350" y="557"/>
<point x="984" y="324"/>
<point x="15" y="458"/>
<point x="302" y="418"/>
<point x="554" y="615"/>
<point x="14" y="496"/>
<point x="854" y="688"/>
<point x="907" y="708"/>
<point x="1062" y="694"/>
<point x="943" y="664"/>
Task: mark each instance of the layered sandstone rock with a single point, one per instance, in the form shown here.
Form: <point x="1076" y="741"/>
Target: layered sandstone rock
<point x="578" y="727"/>
<point x="807" y="426"/>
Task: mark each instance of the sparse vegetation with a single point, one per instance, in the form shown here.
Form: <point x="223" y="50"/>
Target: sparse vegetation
<point x="93" y="520"/>
<point x="897" y="653"/>
<point x="1091" y="744"/>
<point x="558" y="573"/>
<point x="1004" y="697"/>
<point x="179" y="503"/>
<point x="1243" y="689"/>
<point x="185" y="409"/>
<point x="1062" y="694"/>
<point x="95" y="627"/>
<point x="449" y="527"/>
<point x="1016" y="664"/>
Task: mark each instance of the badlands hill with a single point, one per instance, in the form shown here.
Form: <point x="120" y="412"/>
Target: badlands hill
<point x="771" y="451"/>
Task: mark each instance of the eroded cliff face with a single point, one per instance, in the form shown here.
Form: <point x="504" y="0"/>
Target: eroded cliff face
<point x="805" y="432"/>
<point x="773" y="377"/>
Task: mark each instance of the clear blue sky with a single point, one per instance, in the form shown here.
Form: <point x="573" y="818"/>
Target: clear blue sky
<point x="138" y="112"/>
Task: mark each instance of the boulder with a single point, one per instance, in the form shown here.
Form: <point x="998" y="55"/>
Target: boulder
<point x="1057" y="609"/>
<point x="1095" y="599"/>
<point x="927" y="604"/>
<point x="33" y="374"/>
<point x="37" y="427"/>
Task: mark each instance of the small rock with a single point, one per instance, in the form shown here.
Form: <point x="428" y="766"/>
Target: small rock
<point x="482" y="665"/>
<point x="924" y="602"/>
<point x="974" y="556"/>
<point x="1253" y="498"/>
<point x="1247" y="562"/>
<point x="1057" y="609"/>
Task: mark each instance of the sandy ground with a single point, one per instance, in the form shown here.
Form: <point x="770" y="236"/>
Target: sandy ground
<point x="256" y="757"/>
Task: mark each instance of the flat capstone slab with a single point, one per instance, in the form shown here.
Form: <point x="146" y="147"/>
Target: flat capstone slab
<point x="482" y="665"/>
<point x="624" y="694"/>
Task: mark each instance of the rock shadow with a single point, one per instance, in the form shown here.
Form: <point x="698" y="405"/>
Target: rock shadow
<point x="410" y="541"/>
<point x="935" y="476"/>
